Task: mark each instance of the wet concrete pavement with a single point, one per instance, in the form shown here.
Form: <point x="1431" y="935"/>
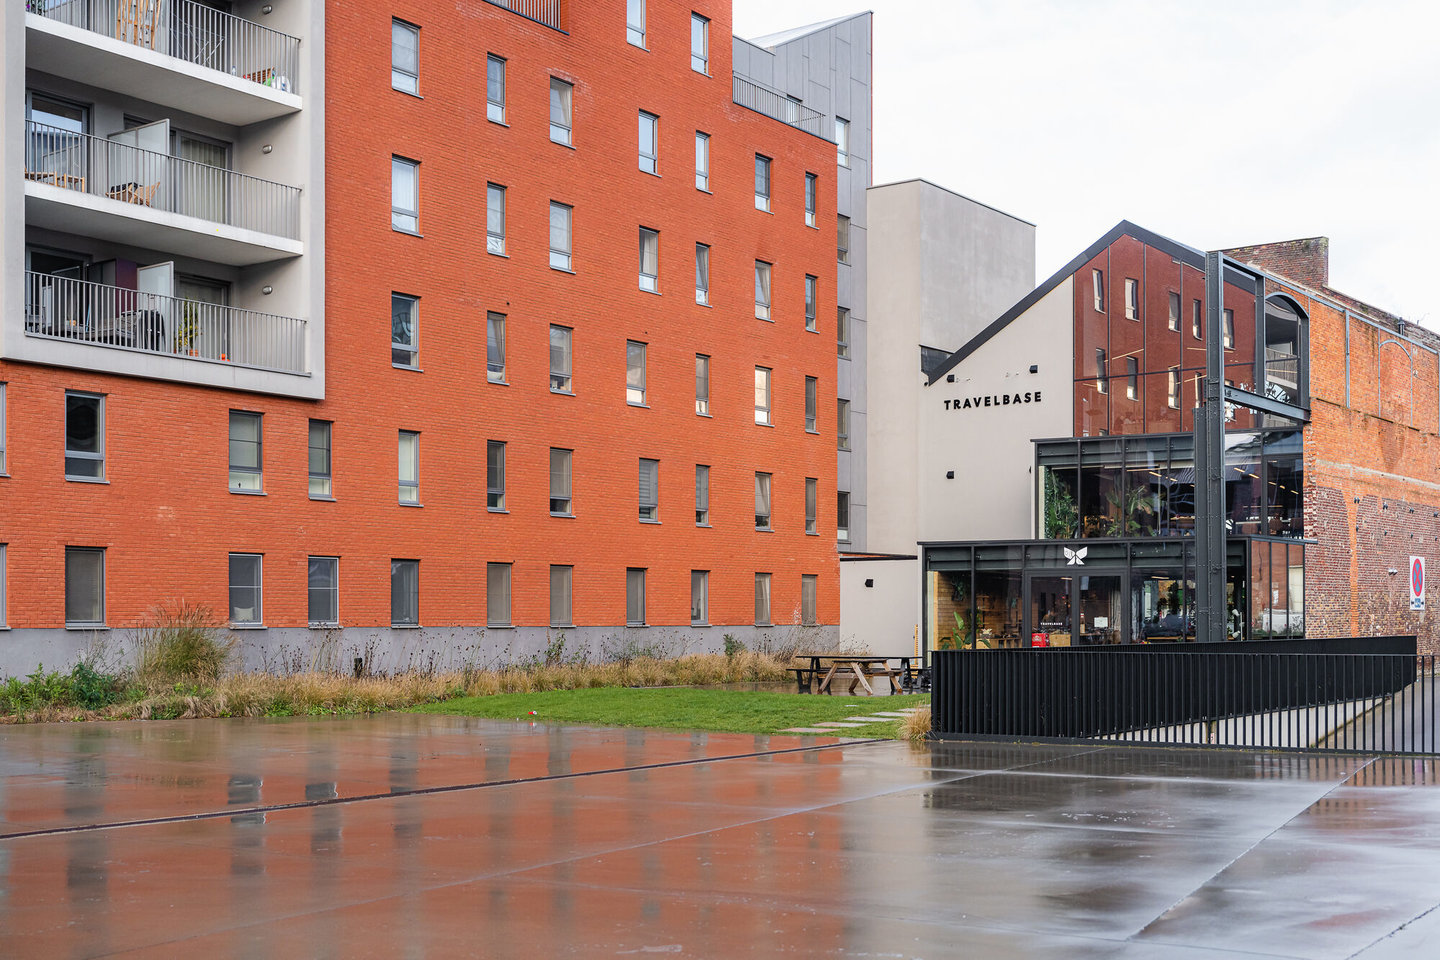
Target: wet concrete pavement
<point x="419" y="836"/>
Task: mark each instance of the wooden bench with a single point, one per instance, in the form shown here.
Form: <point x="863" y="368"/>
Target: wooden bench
<point x="804" y="678"/>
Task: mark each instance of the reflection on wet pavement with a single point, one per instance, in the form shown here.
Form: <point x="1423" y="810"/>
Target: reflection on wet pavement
<point x="343" y="838"/>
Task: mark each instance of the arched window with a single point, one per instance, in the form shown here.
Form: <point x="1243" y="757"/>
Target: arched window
<point x="1286" y="358"/>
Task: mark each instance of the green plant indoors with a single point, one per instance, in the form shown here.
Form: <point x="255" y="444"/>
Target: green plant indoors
<point x="1062" y="516"/>
<point x="1126" y="510"/>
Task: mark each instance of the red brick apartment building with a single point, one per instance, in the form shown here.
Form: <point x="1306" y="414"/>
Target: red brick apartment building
<point x="579" y="377"/>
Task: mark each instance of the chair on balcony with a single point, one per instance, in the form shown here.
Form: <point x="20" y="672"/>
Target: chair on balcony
<point x="137" y="21"/>
<point x="133" y="193"/>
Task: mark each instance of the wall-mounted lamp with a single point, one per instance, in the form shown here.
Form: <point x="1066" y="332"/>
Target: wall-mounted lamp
<point x="1392" y="571"/>
<point x="266" y="149"/>
<point x="949" y="378"/>
<point x="949" y="474"/>
<point x="267" y="289"/>
<point x="1034" y="368"/>
<point x="869" y="582"/>
<point x="266" y="9"/>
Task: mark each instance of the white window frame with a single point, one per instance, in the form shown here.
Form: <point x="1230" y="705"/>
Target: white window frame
<point x="635" y="372"/>
<point x="1173" y="388"/>
<point x="560" y="256"/>
<point x="90" y="460"/>
<point x="495" y="476"/>
<point x="812" y="404"/>
<point x="699" y="598"/>
<point x="258" y="588"/>
<point x="408" y="457"/>
<point x="562" y="100"/>
<point x="499" y="582"/>
<point x="495" y="347"/>
<point x="650" y="278"/>
<point x="1227" y="329"/>
<point x="635" y="596"/>
<point x="311" y="590"/>
<point x="702" y="161"/>
<point x="812" y="495"/>
<point x="562" y="465"/>
<point x="812" y="299"/>
<point x="321" y="477"/>
<point x="494" y="99"/>
<point x="566" y="574"/>
<point x="402" y="76"/>
<point x="495" y="219"/>
<point x="763" y="396"/>
<point x="238" y="474"/>
<point x="1197" y="319"/>
<point x="764" y="500"/>
<point x="842" y="141"/>
<point x="764" y="274"/>
<point x="1132" y="298"/>
<point x="1174" y="318"/>
<point x="100" y="583"/>
<point x="649" y="505"/>
<point x="700" y="44"/>
<point x="635" y="23"/>
<point x="702" y="495"/>
<point x="811" y="191"/>
<point x="397" y="568"/>
<point x="1097" y="281"/>
<point x="702" y="275"/>
<point x="702" y="384"/>
<point x="562" y="359"/>
<point x="404" y="210"/>
<point x="762" y="182"/>
<point x="764" y="607"/>
<point x="648" y="160"/>
<point x="400" y="348"/>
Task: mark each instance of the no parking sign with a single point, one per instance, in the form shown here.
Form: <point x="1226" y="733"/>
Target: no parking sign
<point x="1417" y="583"/>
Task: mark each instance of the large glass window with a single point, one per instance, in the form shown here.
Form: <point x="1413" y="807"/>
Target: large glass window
<point x="405" y="593"/>
<point x="245" y="452"/>
<point x="84" y="586"/>
<point x="324" y="591"/>
<point x="84" y="436"/>
<point x="635" y="597"/>
<point x="404" y="56"/>
<point x="562" y="596"/>
<point x="497" y="594"/>
<point x="245" y="589"/>
<point x="1284" y="343"/>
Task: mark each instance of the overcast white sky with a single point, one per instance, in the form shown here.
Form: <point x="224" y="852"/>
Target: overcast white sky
<point x="1216" y="124"/>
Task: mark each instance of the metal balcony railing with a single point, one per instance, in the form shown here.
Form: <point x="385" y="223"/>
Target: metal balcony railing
<point x="68" y="309"/>
<point x="541" y="11"/>
<point x="129" y="174"/>
<point x="748" y="93"/>
<point x="188" y="31"/>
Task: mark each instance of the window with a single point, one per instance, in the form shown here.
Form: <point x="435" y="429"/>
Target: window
<point x="635" y="597"/>
<point x="699" y="44"/>
<point x="842" y="142"/>
<point x="404" y="56"/>
<point x="1197" y="320"/>
<point x="404" y="318"/>
<point x="702" y="161"/>
<point x="560" y="217"/>
<point x="495" y="347"/>
<point x="2" y="584"/>
<point x="762" y="182"/>
<point x="762" y="290"/>
<point x="560" y="461"/>
<point x="245" y="589"/>
<point x="245" y="452"/>
<point x="649" y="490"/>
<point x="1101" y="382"/>
<point x="807" y="599"/>
<point x="495" y="475"/>
<point x="84" y="587"/>
<point x="320" y="486"/>
<point x="1132" y="378"/>
<point x="1097" y="278"/>
<point x="562" y="598"/>
<point x="560" y="359"/>
<point x="1228" y="329"/>
<point x="84" y="436"/>
<point x="497" y="594"/>
<point x="649" y="147"/>
<point x="2" y="429"/>
<point x="842" y="515"/>
<point x="699" y="597"/>
<point x="409" y="467"/>
<point x="635" y="22"/>
<point x="842" y="239"/>
<point x="810" y="404"/>
<point x="635" y="373"/>
<point x="1174" y="311"/>
<point x="1132" y="299"/>
<point x="495" y="219"/>
<point x="495" y="89"/>
<point x="812" y="489"/>
<point x="404" y="195"/>
<point x="842" y="331"/>
<point x="762" y="599"/>
<point x="810" y="199"/>
<point x="324" y="590"/>
<point x="842" y="423"/>
<point x="702" y="273"/>
<point x="702" y="384"/>
<point x="561" y="97"/>
<point x="762" y="501"/>
<point x="702" y="495"/>
<point x="762" y="395"/>
<point x="405" y="593"/>
<point x="649" y="260"/>
<point x="1173" y="388"/>
<point x="811" y="295"/>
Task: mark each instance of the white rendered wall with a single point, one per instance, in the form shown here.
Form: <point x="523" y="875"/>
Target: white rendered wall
<point x="883" y="618"/>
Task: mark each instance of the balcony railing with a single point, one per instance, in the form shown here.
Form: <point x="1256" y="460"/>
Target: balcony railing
<point x="68" y="309"/>
<point x="188" y="31"/>
<point x="747" y="93"/>
<point x="541" y="11"/>
<point x="119" y="171"/>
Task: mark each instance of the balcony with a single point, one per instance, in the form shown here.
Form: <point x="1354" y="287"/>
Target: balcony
<point x="777" y="106"/>
<point x="541" y="11"/>
<point x="108" y="189"/>
<point x="62" y="308"/>
<point x="178" y="53"/>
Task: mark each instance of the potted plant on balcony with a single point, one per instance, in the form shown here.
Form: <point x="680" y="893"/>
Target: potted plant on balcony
<point x="186" y="331"/>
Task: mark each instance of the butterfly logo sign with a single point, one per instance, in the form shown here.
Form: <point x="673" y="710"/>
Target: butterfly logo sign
<point x="1075" y="558"/>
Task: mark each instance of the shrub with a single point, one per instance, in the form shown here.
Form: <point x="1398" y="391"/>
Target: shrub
<point x="182" y="641"/>
<point x="732" y="646"/>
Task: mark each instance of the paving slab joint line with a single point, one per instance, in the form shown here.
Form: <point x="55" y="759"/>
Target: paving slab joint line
<point x="1379" y="940"/>
<point x="420" y="791"/>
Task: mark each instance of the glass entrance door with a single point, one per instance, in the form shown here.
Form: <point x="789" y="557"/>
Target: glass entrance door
<point x="1048" y="601"/>
<point x="1075" y="609"/>
<point x="1100" y="616"/>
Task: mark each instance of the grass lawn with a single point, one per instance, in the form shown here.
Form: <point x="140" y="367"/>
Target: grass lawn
<point x="679" y="708"/>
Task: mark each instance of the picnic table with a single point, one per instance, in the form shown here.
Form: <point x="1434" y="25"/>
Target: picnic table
<point x="859" y="669"/>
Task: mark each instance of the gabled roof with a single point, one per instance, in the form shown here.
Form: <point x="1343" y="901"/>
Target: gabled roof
<point x="772" y="40"/>
<point x="1124" y="228"/>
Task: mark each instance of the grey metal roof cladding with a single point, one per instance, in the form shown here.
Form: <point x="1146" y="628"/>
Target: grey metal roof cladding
<point x="795" y="33"/>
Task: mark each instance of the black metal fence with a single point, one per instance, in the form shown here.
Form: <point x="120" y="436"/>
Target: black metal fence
<point x="1370" y="694"/>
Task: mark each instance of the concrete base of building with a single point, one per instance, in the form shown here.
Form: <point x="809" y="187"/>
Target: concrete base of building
<point x="386" y="650"/>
